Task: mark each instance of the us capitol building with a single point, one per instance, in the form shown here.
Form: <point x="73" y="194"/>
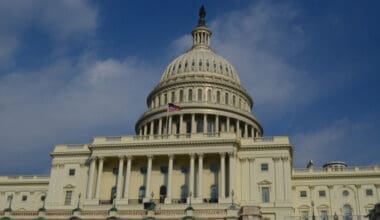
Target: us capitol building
<point x="204" y="157"/>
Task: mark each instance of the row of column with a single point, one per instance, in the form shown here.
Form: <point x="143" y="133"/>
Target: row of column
<point x="167" y="127"/>
<point x="120" y="188"/>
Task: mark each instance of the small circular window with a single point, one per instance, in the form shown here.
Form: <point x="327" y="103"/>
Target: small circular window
<point x="345" y="193"/>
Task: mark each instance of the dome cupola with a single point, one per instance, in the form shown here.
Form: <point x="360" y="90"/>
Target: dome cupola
<point x="207" y="90"/>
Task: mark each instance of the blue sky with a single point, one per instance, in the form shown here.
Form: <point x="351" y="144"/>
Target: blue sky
<point x="71" y="70"/>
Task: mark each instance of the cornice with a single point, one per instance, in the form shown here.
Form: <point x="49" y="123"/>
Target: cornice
<point x="335" y="175"/>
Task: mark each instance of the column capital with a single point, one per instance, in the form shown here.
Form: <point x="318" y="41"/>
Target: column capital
<point x="222" y="154"/>
<point x="311" y="187"/>
<point x="284" y="159"/>
<point x="358" y="186"/>
<point x="101" y="158"/>
<point x="231" y="154"/>
<point x="192" y="155"/>
<point x="276" y="159"/>
<point x="171" y="156"/>
<point x="92" y="158"/>
<point x="121" y="157"/>
<point x="200" y="155"/>
<point x="129" y="157"/>
<point x="149" y="156"/>
<point x="330" y="186"/>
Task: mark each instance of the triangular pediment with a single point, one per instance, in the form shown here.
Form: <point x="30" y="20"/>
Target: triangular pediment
<point x="69" y="186"/>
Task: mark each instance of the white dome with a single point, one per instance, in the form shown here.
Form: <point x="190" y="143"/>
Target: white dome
<point x="200" y="60"/>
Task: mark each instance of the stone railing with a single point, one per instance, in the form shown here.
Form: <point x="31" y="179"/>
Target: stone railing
<point x="24" y="178"/>
<point x="329" y="170"/>
<point x="329" y="217"/>
<point x="136" y="138"/>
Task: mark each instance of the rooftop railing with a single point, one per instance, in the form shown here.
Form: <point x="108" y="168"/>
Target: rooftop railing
<point x="331" y="170"/>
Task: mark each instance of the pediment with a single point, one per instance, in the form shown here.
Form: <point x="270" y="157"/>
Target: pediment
<point x="69" y="186"/>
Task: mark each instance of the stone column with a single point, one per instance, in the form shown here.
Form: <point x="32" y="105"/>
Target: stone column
<point x="127" y="177"/>
<point x="232" y="173"/>
<point x="193" y="124"/>
<point x="217" y="123"/>
<point x="228" y="124"/>
<point x="170" y="125"/>
<point x="357" y="186"/>
<point x="245" y="130"/>
<point x="160" y="126"/>
<point x="91" y="178"/>
<point x="287" y="178"/>
<point x="151" y="127"/>
<point x="204" y="123"/>
<point x="181" y="124"/>
<point x="200" y="175"/>
<point x="99" y="179"/>
<point x="191" y="190"/>
<point x="222" y="176"/>
<point x="141" y="131"/>
<point x="168" y="199"/>
<point x="277" y="177"/>
<point x="148" y="177"/>
<point x="145" y="129"/>
<point x="238" y="128"/>
<point x="119" y="187"/>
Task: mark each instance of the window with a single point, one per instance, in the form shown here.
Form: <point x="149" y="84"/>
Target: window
<point x="162" y="194"/>
<point x="72" y="172"/>
<point x="226" y="99"/>
<point x="184" y="169"/>
<point x="165" y="99"/>
<point x="209" y="95"/>
<point x="347" y="212"/>
<point x="304" y="215"/>
<point x="345" y="193"/>
<point x="68" y="197"/>
<point x="143" y="170"/>
<point x="324" y="215"/>
<point x="233" y="100"/>
<point x="239" y="103"/>
<point x="214" y="168"/>
<point x="199" y="94"/>
<point x="214" y="194"/>
<point x="368" y="192"/>
<point x="184" y="193"/>
<point x="190" y="95"/>
<point x="303" y="194"/>
<point x="164" y="169"/>
<point x="159" y="100"/>
<point x="172" y="97"/>
<point x="218" y="97"/>
<point x="181" y="95"/>
<point x="265" y="194"/>
<point x="24" y="198"/>
<point x="264" y="167"/>
<point x="141" y="193"/>
<point x="322" y="193"/>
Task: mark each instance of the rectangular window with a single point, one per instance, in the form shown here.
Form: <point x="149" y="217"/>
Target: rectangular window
<point x="181" y="95"/>
<point x="72" y="172"/>
<point x="265" y="194"/>
<point x="304" y="215"/>
<point x="173" y="97"/>
<point x="303" y="194"/>
<point x="368" y="192"/>
<point x="165" y="99"/>
<point x="322" y="193"/>
<point x="68" y="197"/>
<point x="199" y="94"/>
<point x="264" y="167"/>
<point x="24" y="198"/>
<point x="324" y="215"/>
<point x="190" y="95"/>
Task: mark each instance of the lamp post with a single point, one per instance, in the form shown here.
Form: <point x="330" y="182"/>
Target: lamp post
<point x="312" y="206"/>
<point x="9" y="209"/>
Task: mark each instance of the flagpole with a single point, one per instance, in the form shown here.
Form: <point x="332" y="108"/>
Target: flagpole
<point x="167" y="116"/>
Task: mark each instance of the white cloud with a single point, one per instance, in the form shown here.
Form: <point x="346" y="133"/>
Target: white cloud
<point x="61" y="20"/>
<point x="345" y="139"/>
<point x="67" y="102"/>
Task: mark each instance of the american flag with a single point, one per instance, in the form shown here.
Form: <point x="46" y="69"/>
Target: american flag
<point x="173" y="108"/>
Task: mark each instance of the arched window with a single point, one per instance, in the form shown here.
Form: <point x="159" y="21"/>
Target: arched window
<point x="184" y="193"/>
<point x="209" y="95"/>
<point x="141" y="193"/>
<point x="190" y="95"/>
<point x="165" y="99"/>
<point x="218" y="97"/>
<point x="226" y="99"/>
<point x="181" y="95"/>
<point x="214" y="194"/>
<point x="239" y="103"/>
<point x="347" y="212"/>
<point x="162" y="194"/>
<point x="234" y="100"/>
<point x="199" y="94"/>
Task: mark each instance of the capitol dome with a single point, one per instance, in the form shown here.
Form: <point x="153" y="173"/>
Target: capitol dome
<point x="206" y="91"/>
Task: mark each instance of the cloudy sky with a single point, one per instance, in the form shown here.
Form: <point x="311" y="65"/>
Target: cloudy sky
<point x="73" y="69"/>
